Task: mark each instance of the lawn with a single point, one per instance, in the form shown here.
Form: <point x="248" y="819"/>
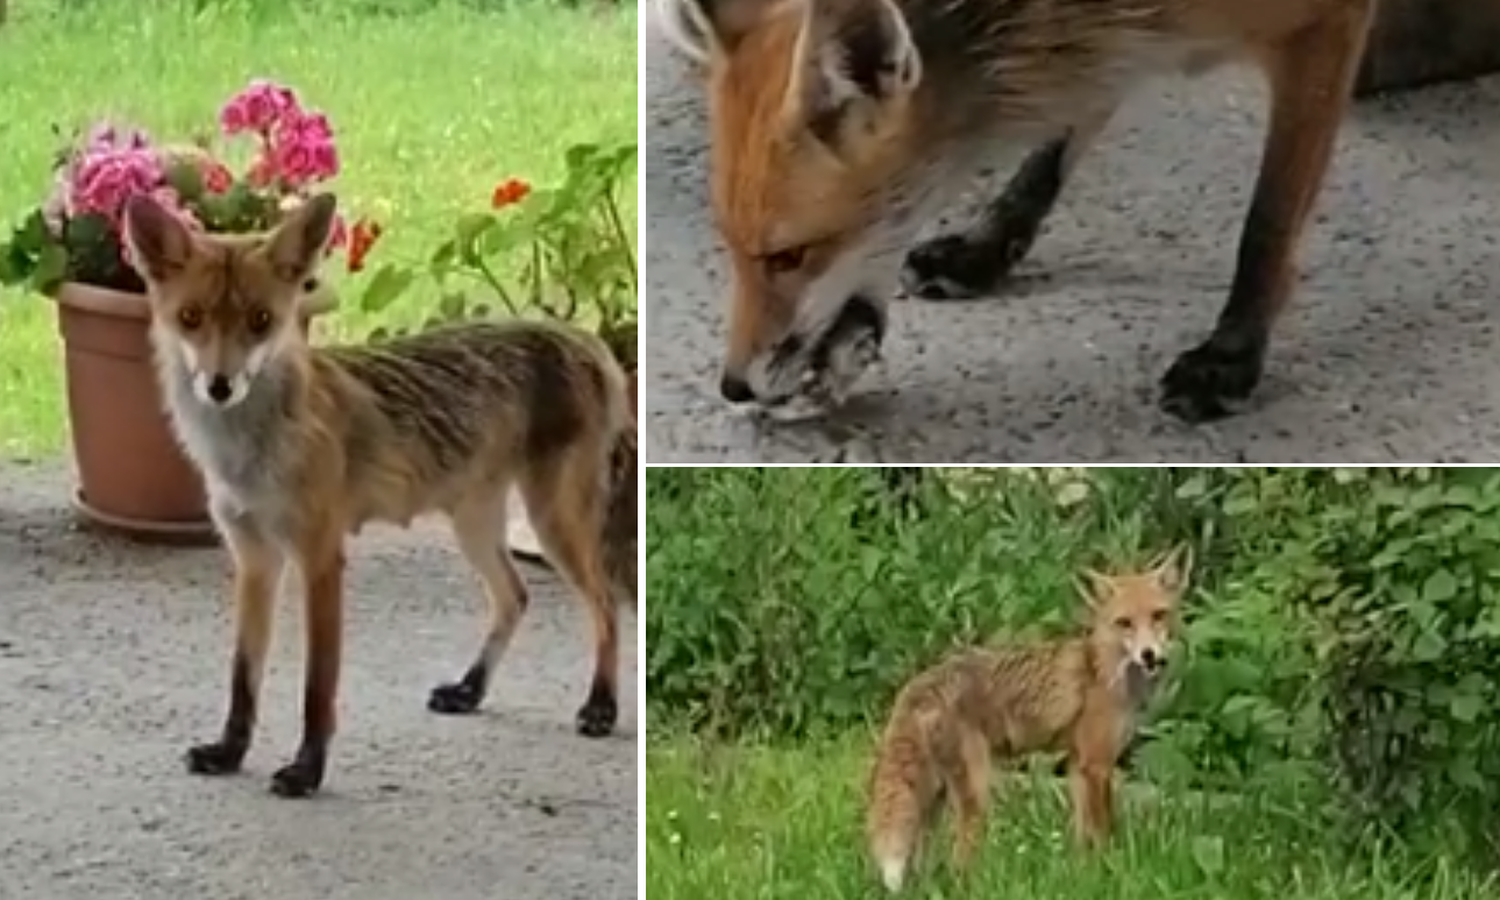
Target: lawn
<point x="432" y="105"/>
<point x="735" y="823"/>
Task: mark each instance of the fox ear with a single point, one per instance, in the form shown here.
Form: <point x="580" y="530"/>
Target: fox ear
<point x="1094" y="587"/>
<point x="708" y="29"/>
<point x="296" y="246"/>
<point x="850" y="53"/>
<point x="1173" y="569"/>
<point x="158" y="242"/>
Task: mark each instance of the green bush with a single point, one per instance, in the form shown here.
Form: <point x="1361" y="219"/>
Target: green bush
<point x="1343" y="623"/>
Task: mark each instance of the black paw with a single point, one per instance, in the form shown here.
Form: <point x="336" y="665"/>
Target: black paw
<point x="959" y="266"/>
<point x="217" y="758"/>
<point x="455" y="699"/>
<point x="596" y="718"/>
<point x="1203" y="383"/>
<point x="297" y="780"/>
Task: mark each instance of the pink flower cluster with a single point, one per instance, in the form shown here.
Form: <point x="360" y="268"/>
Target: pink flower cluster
<point x="297" y="146"/>
<point x="110" y="167"/>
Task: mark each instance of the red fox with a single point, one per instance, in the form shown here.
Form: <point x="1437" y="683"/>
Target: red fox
<point x="300" y="447"/>
<point x="1080" y="695"/>
<point x="839" y="126"/>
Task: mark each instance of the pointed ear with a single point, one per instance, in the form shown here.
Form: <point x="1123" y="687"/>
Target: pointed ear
<point x="1094" y="587"/>
<point x="160" y="244"/>
<point x="1173" y="570"/>
<point x="295" y="247"/>
<point x="705" y="30"/>
<point x="850" y="55"/>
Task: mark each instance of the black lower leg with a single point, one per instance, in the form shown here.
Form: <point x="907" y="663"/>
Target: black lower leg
<point x="597" y="716"/>
<point x="225" y="755"/>
<point x="464" y="695"/>
<point x="304" y="775"/>
<point x="968" y="264"/>
<point x="1203" y="382"/>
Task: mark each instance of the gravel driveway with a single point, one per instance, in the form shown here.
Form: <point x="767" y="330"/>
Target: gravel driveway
<point x="113" y="660"/>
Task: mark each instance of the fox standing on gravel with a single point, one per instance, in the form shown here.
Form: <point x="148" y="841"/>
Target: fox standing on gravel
<point x="1081" y="695"/>
<point x="300" y="447"/>
<point x="840" y="126"/>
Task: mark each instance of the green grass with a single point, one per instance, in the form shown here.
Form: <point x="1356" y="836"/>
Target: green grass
<point x="431" y="109"/>
<point x="735" y="823"/>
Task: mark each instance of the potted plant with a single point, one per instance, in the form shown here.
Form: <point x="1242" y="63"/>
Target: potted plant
<point x="133" y="476"/>
<point x="563" y="251"/>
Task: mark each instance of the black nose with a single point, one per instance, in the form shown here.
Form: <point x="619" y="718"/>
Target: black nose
<point x="218" y="389"/>
<point x="1150" y="660"/>
<point x="735" y="390"/>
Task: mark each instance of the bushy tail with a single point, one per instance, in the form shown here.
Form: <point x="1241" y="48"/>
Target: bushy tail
<point x="903" y="787"/>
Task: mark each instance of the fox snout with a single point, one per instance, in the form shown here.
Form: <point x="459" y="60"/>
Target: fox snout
<point x="221" y="390"/>
<point x="811" y="360"/>
<point x="1151" y="659"/>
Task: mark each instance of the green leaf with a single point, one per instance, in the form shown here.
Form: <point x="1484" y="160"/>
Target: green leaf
<point x="51" y="269"/>
<point x="453" y="307"/>
<point x="388" y="284"/>
<point x="1440" y="587"/>
<point x="1428" y="647"/>
<point x="1466" y="707"/>
<point x="471" y="226"/>
<point x="1208" y="854"/>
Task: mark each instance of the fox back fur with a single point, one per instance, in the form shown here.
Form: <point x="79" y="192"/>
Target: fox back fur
<point x="1080" y="695"/>
<point x="300" y="447"/>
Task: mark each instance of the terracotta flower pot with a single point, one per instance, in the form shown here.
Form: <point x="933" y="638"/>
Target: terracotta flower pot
<point x="133" y="476"/>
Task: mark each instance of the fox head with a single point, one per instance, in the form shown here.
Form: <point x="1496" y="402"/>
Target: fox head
<point x="1134" y="615"/>
<point x="224" y="307"/>
<point x="810" y="105"/>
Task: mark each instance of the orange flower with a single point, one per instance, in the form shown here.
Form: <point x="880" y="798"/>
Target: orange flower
<point x="509" y="192"/>
<point x="361" y="238"/>
<point x="216" y="177"/>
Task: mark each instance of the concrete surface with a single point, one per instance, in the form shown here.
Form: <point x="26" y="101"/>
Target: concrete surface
<point x="113" y="660"/>
<point x="1388" y="353"/>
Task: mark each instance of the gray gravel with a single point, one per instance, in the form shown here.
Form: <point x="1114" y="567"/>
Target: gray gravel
<point x="113" y="660"/>
<point x="1387" y="354"/>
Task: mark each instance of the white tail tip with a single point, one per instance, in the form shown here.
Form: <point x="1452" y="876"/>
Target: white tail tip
<point x="893" y="873"/>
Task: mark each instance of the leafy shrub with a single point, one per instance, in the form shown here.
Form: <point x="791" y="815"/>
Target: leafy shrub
<point x="1344" y="624"/>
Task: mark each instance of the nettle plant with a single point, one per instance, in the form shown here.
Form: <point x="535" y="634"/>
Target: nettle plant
<point x="562" y="251"/>
<point x="75" y="234"/>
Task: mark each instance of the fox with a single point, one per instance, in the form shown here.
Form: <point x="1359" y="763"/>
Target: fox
<point x="1080" y="695"/>
<point x="839" y="127"/>
<point x="301" y="446"/>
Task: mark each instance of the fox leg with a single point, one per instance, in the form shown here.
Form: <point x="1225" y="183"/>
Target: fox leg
<point x="1092" y="789"/>
<point x="565" y="500"/>
<point x="258" y="567"/>
<point x="480" y="529"/>
<point x="1311" y="74"/>
<point x="974" y="262"/>
<point x="968" y="790"/>
<point x="322" y="562"/>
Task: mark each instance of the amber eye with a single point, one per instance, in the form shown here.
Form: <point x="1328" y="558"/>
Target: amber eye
<point x="1123" y="624"/>
<point x="190" y="317"/>
<point x="260" y="321"/>
<point x="784" y="261"/>
<point x="1159" y="616"/>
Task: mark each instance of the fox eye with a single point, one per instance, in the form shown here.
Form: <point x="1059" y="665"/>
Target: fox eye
<point x="783" y="261"/>
<point x="1159" y="616"/>
<point x="190" y="317"/>
<point x="260" y="321"/>
<point x="1122" y="623"/>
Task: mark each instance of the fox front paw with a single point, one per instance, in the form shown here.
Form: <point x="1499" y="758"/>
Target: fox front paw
<point x="1206" y="382"/>
<point x="217" y="758"/>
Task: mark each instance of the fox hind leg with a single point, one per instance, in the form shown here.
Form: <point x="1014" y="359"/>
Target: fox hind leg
<point x="971" y="263"/>
<point x="967" y="786"/>
<point x="479" y="527"/>
<point x="565" y="499"/>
